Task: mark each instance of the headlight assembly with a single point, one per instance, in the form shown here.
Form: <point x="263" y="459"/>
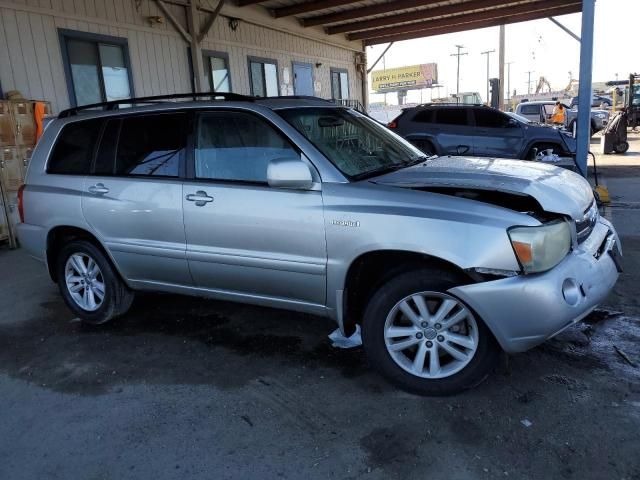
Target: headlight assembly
<point x="541" y="248"/>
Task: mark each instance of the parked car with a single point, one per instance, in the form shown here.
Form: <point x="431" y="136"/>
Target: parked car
<point x="540" y="111"/>
<point x="596" y="101"/>
<point x="451" y="129"/>
<point x="304" y="205"/>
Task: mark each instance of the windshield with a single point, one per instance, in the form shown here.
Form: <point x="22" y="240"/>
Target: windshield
<point x="518" y="117"/>
<point x="358" y="146"/>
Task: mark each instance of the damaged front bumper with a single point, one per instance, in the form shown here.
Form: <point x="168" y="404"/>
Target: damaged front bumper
<point x="526" y="310"/>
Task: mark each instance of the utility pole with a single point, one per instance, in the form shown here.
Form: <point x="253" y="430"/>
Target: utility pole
<point x="488" y="54"/>
<point x="501" y="43"/>
<point x="459" y="47"/>
<point x="529" y="82"/>
<point x="508" y="64"/>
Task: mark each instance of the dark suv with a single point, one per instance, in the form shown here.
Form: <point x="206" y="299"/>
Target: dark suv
<point x="444" y="129"/>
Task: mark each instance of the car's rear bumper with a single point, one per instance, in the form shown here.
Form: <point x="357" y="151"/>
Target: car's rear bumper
<point x="526" y="310"/>
<point x="33" y="239"/>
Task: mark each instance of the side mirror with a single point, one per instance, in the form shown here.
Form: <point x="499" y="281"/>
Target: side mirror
<point x="289" y="173"/>
<point x="512" y="123"/>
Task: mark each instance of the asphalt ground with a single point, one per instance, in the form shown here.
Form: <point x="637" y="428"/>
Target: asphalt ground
<point x="189" y="388"/>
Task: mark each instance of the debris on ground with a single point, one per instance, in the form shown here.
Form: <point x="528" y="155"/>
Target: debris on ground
<point x="527" y="423"/>
<point x="338" y="340"/>
<point x="625" y="357"/>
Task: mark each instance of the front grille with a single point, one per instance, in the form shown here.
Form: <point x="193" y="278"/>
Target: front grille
<point x="585" y="225"/>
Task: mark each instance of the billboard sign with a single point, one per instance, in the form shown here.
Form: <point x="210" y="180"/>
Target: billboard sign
<point x="404" y="78"/>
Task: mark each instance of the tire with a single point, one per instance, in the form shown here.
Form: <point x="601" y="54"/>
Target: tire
<point x="383" y="312"/>
<point x="116" y="296"/>
<point x="621" y="147"/>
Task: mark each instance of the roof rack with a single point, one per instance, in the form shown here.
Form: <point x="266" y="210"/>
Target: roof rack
<point x="115" y="104"/>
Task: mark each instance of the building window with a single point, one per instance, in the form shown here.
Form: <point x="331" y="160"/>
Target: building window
<point x="339" y="83"/>
<point x="216" y="66"/>
<point x="96" y="66"/>
<point x="263" y="73"/>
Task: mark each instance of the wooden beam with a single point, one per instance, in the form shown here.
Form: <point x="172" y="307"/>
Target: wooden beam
<point x="307" y="7"/>
<point x="537" y="6"/>
<point x="193" y="20"/>
<point x="174" y="21"/>
<point x="419" y="15"/>
<point x="358" y="13"/>
<point x="212" y="18"/>
<point x="473" y="25"/>
<point x="244" y="3"/>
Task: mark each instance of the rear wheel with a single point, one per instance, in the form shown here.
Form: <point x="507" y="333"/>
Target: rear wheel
<point x="621" y="147"/>
<point x="89" y="285"/>
<point x="424" y="339"/>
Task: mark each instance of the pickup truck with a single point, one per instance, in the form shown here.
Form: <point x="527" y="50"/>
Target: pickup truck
<point x="540" y="111"/>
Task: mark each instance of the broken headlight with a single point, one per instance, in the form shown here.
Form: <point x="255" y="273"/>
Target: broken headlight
<point x="541" y="248"/>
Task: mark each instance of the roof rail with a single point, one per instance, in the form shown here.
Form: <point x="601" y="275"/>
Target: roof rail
<point x="115" y="104"/>
<point x="456" y="104"/>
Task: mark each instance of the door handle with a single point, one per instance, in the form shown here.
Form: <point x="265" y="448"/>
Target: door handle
<point x="98" y="189"/>
<point x="200" y="197"/>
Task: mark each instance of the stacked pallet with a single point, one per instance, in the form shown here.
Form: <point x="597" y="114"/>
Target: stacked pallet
<point x="17" y="140"/>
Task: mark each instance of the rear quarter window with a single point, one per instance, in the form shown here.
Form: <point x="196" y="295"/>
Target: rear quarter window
<point x="74" y="149"/>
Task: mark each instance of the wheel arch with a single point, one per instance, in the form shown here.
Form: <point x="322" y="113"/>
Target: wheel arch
<point x="58" y="236"/>
<point x="370" y="269"/>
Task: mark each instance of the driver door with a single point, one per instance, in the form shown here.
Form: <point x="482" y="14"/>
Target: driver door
<point x="244" y="238"/>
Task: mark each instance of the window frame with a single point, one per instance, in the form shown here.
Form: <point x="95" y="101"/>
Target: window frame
<point x="263" y="61"/>
<point x="207" y="55"/>
<point x="65" y="34"/>
<point x="191" y="159"/>
<point x="338" y="70"/>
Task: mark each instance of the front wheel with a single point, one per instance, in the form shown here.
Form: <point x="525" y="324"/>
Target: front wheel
<point x="89" y="284"/>
<point x="425" y="340"/>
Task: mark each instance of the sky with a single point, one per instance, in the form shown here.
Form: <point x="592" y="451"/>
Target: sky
<point x="539" y="46"/>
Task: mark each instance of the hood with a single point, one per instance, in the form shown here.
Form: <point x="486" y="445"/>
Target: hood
<point x="557" y="190"/>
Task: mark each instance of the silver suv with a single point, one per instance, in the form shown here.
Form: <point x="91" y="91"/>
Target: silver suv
<point x="299" y="204"/>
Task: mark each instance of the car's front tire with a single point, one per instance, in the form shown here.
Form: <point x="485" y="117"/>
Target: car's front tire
<point x="425" y="340"/>
<point x="90" y="286"/>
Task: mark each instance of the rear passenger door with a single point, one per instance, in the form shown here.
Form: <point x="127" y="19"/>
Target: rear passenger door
<point x="496" y="135"/>
<point x="453" y="130"/>
<point x="246" y="239"/>
<point x="133" y="199"/>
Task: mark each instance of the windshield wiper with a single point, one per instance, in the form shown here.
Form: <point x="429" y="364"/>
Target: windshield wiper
<point x="391" y="168"/>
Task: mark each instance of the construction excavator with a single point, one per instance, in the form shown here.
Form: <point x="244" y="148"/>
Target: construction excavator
<point x="543" y="82"/>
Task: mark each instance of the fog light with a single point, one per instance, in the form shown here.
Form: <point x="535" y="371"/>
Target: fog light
<point x="571" y="291"/>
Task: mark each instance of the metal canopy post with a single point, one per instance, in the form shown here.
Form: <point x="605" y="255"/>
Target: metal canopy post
<point x="584" y="91"/>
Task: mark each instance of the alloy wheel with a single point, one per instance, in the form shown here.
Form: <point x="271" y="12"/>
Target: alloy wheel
<point x="431" y="335"/>
<point x="84" y="281"/>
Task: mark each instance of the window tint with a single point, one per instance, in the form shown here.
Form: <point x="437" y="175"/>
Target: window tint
<point x="490" y="118"/>
<point x="452" y="116"/>
<point x="529" y="110"/>
<point x="74" y="149"/>
<point x="237" y="146"/>
<point x="424" y="116"/>
<point x="106" y="157"/>
<point x="151" y="145"/>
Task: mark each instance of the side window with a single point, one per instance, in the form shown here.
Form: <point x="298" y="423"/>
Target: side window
<point x="237" y="146"/>
<point x="487" y="118"/>
<point x="452" y="116"/>
<point x="529" y="110"/>
<point x="423" y="116"/>
<point x="74" y="149"/>
<point x="263" y="74"/>
<point x="216" y="66"/>
<point x="151" y="145"/>
<point x="339" y="83"/>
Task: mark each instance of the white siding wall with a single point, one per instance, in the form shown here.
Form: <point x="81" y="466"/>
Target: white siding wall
<point x="31" y="59"/>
